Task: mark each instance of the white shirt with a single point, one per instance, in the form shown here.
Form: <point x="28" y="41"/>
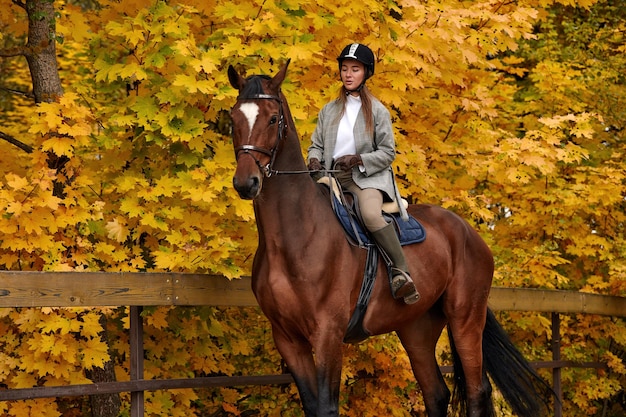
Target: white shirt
<point x="345" y="144"/>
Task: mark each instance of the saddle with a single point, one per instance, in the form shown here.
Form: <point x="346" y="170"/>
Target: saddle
<point x="345" y="206"/>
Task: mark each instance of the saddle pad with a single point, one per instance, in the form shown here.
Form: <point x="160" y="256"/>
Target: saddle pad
<point x="409" y="232"/>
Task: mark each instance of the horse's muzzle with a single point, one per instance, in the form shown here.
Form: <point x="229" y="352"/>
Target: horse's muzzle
<point x="249" y="188"/>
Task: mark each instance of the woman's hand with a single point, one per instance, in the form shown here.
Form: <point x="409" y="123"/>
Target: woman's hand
<point x="347" y="162"/>
<point x="314" y="165"/>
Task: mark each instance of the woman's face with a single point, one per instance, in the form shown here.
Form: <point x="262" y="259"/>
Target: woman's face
<point x="352" y="74"/>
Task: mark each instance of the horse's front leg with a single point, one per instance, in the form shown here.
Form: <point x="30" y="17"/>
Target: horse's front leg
<point x="318" y="380"/>
<point x="327" y="342"/>
<point x="298" y="355"/>
<point x="328" y="362"/>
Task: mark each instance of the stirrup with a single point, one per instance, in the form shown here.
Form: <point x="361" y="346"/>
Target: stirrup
<point x="402" y="286"/>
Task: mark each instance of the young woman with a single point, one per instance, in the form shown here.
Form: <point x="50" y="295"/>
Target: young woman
<point x="354" y="134"/>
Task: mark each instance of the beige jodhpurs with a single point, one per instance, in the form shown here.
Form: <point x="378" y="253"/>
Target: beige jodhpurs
<point x="370" y="202"/>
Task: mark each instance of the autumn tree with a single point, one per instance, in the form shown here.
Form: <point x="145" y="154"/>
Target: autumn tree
<point x="560" y="221"/>
<point x="40" y="54"/>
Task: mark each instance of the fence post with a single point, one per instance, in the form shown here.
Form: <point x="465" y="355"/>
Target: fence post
<point x="556" y="371"/>
<point x="136" y="360"/>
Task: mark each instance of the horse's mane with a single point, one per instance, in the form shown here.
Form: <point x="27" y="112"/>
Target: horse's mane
<point x="253" y="86"/>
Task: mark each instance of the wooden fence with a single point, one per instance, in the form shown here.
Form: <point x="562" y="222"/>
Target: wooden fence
<point x="94" y="289"/>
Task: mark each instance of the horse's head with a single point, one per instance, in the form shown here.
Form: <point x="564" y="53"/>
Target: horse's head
<point x="258" y="128"/>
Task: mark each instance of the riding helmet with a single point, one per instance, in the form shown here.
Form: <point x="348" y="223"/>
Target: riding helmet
<point x="361" y="53"/>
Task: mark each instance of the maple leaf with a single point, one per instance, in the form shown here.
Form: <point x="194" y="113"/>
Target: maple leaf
<point x="158" y="318"/>
<point x="56" y="323"/>
<point x="50" y="201"/>
<point x="165" y="186"/>
<point x="75" y="129"/>
<point x="132" y="207"/>
<point x="16" y="182"/>
<point x="23" y="380"/>
<point x="186" y="80"/>
<point x="14" y="207"/>
<point x="60" y="145"/>
<point x="31" y="224"/>
<point x="145" y="107"/>
<point x="90" y="327"/>
<point x="117" y="231"/>
<point x="153" y="220"/>
<point x="207" y="62"/>
<point x="230" y="408"/>
<point x="94" y="353"/>
<point x="231" y="11"/>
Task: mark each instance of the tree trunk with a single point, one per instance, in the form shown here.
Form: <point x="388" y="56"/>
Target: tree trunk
<point x="40" y="53"/>
<point x="104" y="405"/>
<point x="41" y="50"/>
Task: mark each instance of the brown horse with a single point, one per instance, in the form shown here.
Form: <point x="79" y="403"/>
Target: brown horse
<point x="306" y="276"/>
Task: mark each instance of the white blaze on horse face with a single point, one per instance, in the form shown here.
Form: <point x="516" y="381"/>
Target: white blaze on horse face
<point x="251" y="111"/>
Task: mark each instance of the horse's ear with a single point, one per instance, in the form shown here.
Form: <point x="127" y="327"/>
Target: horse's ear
<point x="236" y="80"/>
<point x="280" y="77"/>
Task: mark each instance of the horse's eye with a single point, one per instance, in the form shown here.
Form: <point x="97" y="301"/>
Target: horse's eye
<point x="273" y="120"/>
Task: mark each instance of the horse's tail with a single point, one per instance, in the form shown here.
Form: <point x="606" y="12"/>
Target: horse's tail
<point x="526" y="392"/>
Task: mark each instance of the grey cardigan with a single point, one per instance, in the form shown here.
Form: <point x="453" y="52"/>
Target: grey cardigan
<point x="377" y="151"/>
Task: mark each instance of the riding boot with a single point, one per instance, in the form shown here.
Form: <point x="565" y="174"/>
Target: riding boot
<point x="402" y="285"/>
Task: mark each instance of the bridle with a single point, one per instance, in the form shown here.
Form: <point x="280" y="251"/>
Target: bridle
<point x="248" y="149"/>
<point x="268" y="170"/>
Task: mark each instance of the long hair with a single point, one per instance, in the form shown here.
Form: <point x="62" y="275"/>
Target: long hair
<point x="366" y="106"/>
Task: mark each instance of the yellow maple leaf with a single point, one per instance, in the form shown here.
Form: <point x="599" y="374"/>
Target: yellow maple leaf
<point x="231" y="10"/>
<point x="41" y="407"/>
<point x="158" y="318"/>
<point x="16" y="182"/>
<point x="94" y="353"/>
<point x="91" y="326"/>
<point x="23" y="380"/>
<point x="132" y="207"/>
<point x="73" y="24"/>
<point x="51" y="343"/>
<point x="48" y="367"/>
<point x="167" y="261"/>
<point x="104" y="248"/>
<point x="14" y="207"/>
<point x="186" y="80"/>
<point x="165" y="186"/>
<point x="206" y="62"/>
<point x="79" y="128"/>
<point x="32" y="224"/>
<point x="152" y="220"/>
<point x="54" y="323"/>
<point x="78" y="378"/>
<point x="230" y="408"/>
<point x="52" y="116"/>
<point x="117" y="231"/>
<point x="60" y="145"/>
<point x="241" y="347"/>
<point x="49" y="200"/>
<point x="128" y="182"/>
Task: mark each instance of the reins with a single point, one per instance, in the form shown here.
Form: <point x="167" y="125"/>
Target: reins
<point x="326" y="171"/>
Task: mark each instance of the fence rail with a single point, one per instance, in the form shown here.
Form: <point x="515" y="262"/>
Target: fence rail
<point x="96" y="289"/>
<point x="93" y="289"/>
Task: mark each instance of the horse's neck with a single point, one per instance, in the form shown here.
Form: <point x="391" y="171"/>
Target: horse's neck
<point x="290" y="206"/>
